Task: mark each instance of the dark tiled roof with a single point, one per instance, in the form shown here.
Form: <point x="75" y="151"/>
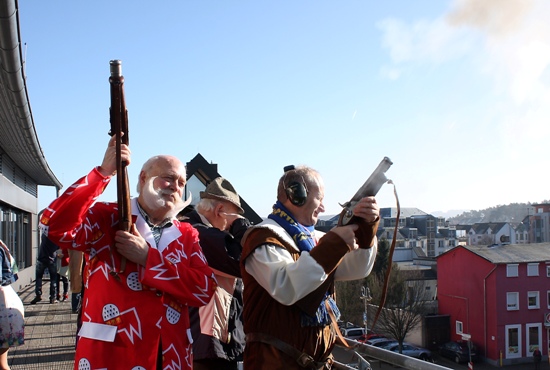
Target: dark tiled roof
<point x="512" y="253"/>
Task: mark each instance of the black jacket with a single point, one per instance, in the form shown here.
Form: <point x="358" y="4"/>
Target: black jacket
<point x="222" y="251"/>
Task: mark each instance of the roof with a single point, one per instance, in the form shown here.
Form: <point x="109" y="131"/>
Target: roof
<point x="512" y="253"/>
<point x="391" y="212"/>
<point x="18" y="140"/>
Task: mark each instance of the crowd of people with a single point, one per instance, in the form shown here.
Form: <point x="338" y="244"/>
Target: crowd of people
<point x="200" y="287"/>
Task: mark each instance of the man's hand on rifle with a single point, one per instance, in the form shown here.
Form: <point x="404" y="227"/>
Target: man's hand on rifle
<point x="132" y="246"/>
<point x="367" y="208"/>
<point x="109" y="165"/>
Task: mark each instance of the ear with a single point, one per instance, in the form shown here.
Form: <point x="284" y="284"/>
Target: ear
<point x="218" y="208"/>
<point x="142" y="178"/>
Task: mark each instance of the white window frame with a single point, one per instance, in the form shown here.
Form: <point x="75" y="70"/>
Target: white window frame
<point x="532" y="269"/>
<point x="530" y="348"/>
<point x="512" y="270"/>
<point x="509" y="296"/>
<point x="459" y="327"/>
<point x="512" y="352"/>
<point x="536" y="295"/>
<point x="548" y="271"/>
<point x="548" y="298"/>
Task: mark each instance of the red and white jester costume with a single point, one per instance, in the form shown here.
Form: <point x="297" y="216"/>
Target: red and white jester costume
<point x="126" y="319"/>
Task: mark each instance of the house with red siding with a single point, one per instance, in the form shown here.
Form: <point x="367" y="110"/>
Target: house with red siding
<point x="499" y="296"/>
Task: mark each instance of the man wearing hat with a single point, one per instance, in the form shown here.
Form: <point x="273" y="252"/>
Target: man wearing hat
<point x="217" y="328"/>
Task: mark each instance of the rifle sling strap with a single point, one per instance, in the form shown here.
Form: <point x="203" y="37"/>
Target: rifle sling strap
<point x="390" y="258"/>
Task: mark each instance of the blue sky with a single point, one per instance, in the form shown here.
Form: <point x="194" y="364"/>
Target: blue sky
<point x="455" y="93"/>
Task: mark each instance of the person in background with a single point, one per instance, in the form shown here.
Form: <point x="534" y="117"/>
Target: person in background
<point x="76" y="266"/>
<point x="62" y="274"/>
<point x="47" y="254"/>
<point x="139" y="284"/>
<point x="537" y="358"/>
<point x="289" y="269"/>
<point x="12" y="314"/>
<point x="217" y="328"/>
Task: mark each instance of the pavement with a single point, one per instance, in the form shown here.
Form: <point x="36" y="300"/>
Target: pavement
<point x="50" y="333"/>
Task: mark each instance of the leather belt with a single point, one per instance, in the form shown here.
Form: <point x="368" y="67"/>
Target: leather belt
<point x="302" y="358"/>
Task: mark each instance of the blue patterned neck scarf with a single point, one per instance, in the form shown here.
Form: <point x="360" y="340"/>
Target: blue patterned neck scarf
<point x="302" y="236"/>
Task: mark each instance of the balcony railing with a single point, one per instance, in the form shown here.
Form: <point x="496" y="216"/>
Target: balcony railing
<point x="378" y="354"/>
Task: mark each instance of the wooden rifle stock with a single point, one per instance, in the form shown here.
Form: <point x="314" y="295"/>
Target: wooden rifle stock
<point x="119" y="128"/>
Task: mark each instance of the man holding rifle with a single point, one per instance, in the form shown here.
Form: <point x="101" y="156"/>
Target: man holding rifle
<point x="289" y="270"/>
<point x="139" y="284"/>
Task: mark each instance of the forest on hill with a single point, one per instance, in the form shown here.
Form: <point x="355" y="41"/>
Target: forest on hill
<point x="513" y="213"/>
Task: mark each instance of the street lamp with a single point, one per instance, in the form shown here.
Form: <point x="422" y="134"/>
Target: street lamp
<point x="366" y="297"/>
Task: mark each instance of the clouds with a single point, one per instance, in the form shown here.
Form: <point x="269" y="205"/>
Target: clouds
<point x="500" y="116"/>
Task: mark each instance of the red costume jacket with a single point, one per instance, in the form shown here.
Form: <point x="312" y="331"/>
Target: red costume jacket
<point x="125" y="320"/>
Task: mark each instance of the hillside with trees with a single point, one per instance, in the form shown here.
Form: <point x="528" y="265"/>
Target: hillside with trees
<point x="513" y="213"/>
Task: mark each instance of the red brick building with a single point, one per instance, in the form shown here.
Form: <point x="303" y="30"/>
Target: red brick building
<point x="500" y="296"/>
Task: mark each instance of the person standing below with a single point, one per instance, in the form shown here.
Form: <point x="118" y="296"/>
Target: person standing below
<point x="139" y="284"/>
<point x="289" y="270"/>
<point x="47" y="255"/>
<point x="12" y="314"/>
<point x="217" y="328"/>
<point x="537" y="357"/>
<point x="62" y="274"/>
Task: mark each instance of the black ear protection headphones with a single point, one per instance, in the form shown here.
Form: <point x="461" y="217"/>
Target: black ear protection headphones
<point x="295" y="191"/>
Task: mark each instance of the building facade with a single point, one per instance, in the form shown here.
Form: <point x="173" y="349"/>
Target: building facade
<point x="23" y="166"/>
<point x="500" y="297"/>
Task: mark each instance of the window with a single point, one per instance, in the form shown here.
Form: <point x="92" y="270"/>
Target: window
<point x="534" y="337"/>
<point x="548" y="298"/>
<point x="512" y="270"/>
<point x="512" y="301"/>
<point x="459" y="327"/>
<point x="547" y="271"/>
<point x="532" y="269"/>
<point x="513" y="341"/>
<point x="533" y="300"/>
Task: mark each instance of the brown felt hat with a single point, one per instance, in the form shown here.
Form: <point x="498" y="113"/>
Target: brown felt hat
<point x="222" y="189"/>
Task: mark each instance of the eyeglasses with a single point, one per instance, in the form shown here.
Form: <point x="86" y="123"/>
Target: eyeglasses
<point x="230" y="214"/>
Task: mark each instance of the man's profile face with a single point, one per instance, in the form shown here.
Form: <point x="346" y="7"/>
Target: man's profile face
<point x="308" y="214"/>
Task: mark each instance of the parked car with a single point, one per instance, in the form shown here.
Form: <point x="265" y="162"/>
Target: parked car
<point x="380" y="342"/>
<point x="458" y="351"/>
<point x="411" y="351"/>
<point x="353" y="333"/>
<point x="365" y="337"/>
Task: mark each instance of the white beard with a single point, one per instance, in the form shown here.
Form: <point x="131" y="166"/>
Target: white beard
<point x="157" y="198"/>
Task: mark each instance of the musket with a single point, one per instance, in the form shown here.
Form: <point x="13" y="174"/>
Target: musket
<point x="371" y="188"/>
<point x="119" y="128"/>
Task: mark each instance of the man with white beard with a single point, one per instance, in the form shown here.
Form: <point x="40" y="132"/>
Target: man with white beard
<point x="133" y="316"/>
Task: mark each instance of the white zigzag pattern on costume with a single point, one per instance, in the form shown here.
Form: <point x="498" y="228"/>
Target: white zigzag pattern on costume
<point x="204" y="292"/>
<point x="132" y="331"/>
<point x="200" y="255"/>
<point x="173" y="365"/>
<point x="75" y="186"/>
<point x="161" y="271"/>
<point x="188" y="352"/>
<point x="105" y="268"/>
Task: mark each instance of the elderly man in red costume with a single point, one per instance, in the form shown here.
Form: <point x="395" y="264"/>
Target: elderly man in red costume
<point x="135" y="319"/>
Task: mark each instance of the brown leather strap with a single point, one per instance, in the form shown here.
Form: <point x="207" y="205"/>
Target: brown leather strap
<point x="390" y="259"/>
<point x="302" y="358"/>
<point x="343" y="340"/>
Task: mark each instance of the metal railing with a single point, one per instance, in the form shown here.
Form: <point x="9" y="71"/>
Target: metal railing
<point x="397" y="359"/>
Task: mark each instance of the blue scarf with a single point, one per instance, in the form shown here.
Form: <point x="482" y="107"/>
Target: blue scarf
<point x="302" y="236"/>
